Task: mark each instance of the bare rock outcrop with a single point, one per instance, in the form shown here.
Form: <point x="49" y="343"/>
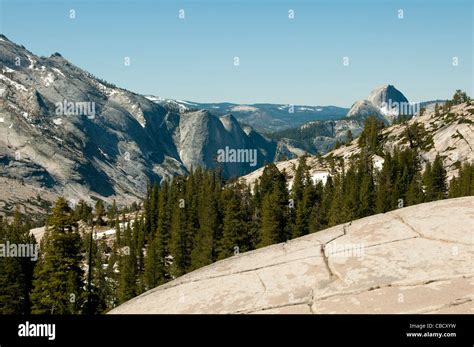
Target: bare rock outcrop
<point x="413" y="260"/>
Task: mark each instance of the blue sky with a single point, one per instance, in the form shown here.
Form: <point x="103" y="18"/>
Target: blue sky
<point x="282" y="60"/>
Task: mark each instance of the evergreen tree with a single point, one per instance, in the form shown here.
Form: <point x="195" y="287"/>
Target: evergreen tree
<point x="112" y="213"/>
<point x="274" y="227"/>
<point x="462" y="185"/>
<point x="435" y="180"/>
<point x="179" y="243"/>
<point x="304" y="210"/>
<point x="271" y="230"/>
<point x="112" y="276"/>
<point x="460" y="97"/>
<point x="351" y="192"/>
<point x="163" y="232"/>
<point x="58" y="284"/>
<point x="139" y="243"/>
<point x="415" y="193"/>
<point x="83" y="211"/>
<point x="338" y="212"/>
<point x="118" y="232"/>
<point x="99" y="212"/>
<point x="366" y="197"/>
<point x="236" y="219"/>
<point x="315" y="222"/>
<point x="152" y="225"/>
<point x="370" y="138"/>
<point x="296" y="216"/>
<point x="98" y="288"/>
<point x="153" y="265"/>
<point x="203" y="250"/>
<point x="300" y="180"/>
<point x="127" y="282"/>
<point x="383" y="199"/>
<point x="16" y="273"/>
<point x="326" y="202"/>
<point x="266" y="182"/>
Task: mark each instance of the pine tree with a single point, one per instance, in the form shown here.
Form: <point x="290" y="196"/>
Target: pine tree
<point x="304" y="210"/>
<point x="435" y="180"/>
<point x="315" y="222"/>
<point x="153" y="265"/>
<point x="370" y="137"/>
<point x="98" y="288"/>
<point x="415" y="193"/>
<point x="300" y="180"/>
<point x="127" y="282"/>
<point x="58" y="284"/>
<point x="112" y="275"/>
<point x="83" y="211"/>
<point x="152" y="225"/>
<point x="269" y="176"/>
<point x="118" y="232"/>
<point x="103" y="278"/>
<point x="366" y="197"/>
<point x="464" y="183"/>
<point x="163" y="232"/>
<point x="193" y="183"/>
<point x="466" y="178"/>
<point x="351" y="192"/>
<point x="326" y="201"/>
<point x="460" y="97"/>
<point x="271" y="230"/>
<point x="179" y="244"/>
<point x="139" y="243"/>
<point x="427" y="182"/>
<point x="156" y="265"/>
<point x="16" y="273"/>
<point x="112" y="213"/>
<point x="297" y="211"/>
<point x="235" y="229"/>
<point x="338" y="212"/>
<point x="99" y="212"/>
<point x="383" y="198"/>
<point x="203" y="250"/>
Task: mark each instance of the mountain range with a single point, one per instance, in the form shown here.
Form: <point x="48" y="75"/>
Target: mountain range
<point x="385" y="102"/>
<point x="446" y="133"/>
<point x="66" y="132"/>
<point x="264" y="118"/>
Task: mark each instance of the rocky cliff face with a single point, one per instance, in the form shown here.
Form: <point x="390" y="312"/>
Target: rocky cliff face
<point x="66" y="131"/>
<point x="413" y="260"/>
<point x="262" y="117"/>
<point x="386" y="102"/>
<point x="450" y="134"/>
